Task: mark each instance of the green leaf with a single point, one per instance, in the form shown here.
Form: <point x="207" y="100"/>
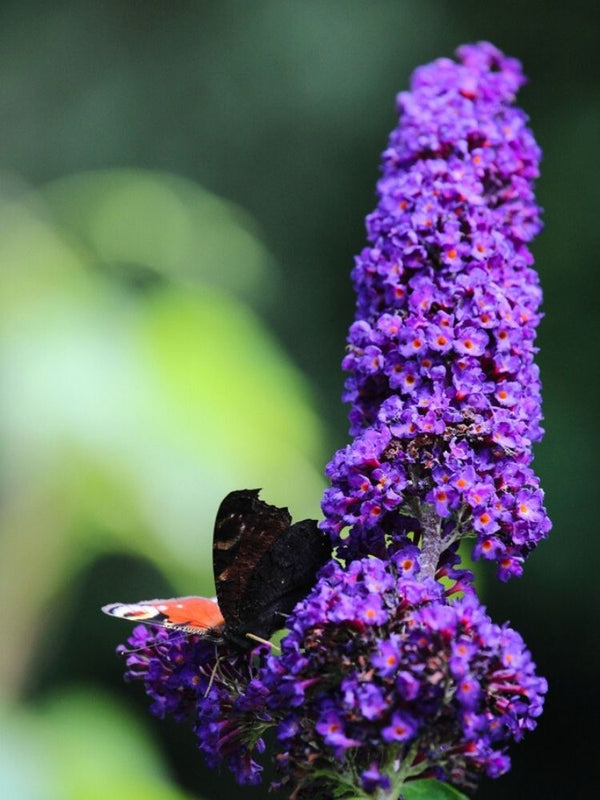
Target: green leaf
<point x="431" y="790"/>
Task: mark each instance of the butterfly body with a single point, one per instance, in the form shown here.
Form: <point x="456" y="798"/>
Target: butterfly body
<point x="263" y="565"/>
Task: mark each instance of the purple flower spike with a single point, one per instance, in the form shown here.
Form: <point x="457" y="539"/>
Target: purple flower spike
<point x="444" y="392"/>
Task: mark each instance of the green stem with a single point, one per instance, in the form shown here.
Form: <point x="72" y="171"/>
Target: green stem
<point x="431" y="540"/>
<point x="398" y="778"/>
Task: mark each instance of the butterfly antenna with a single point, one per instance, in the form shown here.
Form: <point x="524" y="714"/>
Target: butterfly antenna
<point x="256" y="638"/>
<point x="149" y="646"/>
<point x="129" y="651"/>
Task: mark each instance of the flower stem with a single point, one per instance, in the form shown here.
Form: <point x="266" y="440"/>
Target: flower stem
<point x="431" y="540"/>
<point x="398" y="778"/>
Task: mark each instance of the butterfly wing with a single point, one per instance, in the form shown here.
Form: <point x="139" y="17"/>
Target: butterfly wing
<point x="283" y="577"/>
<point x="245" y="529"/>
<point x="263" y="564"/>
<point x="190" y="614"/>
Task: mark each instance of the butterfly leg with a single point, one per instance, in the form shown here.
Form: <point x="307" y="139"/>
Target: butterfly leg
<point x="213" y="673"/>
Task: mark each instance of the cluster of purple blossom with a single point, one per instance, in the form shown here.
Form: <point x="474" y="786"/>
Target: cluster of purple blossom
<point x="190" y="677"/>
<point x="378" y="664"/>
<point x="445" y="394"/>
<point x="385" y="676"/>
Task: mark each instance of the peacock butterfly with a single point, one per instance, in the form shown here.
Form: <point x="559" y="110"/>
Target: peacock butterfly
<point x="263" y="565"/>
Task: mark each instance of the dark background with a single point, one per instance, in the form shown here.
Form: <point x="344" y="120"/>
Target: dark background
<point x="283" y="108"/>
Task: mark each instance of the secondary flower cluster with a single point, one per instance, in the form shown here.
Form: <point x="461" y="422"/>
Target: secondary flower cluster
<point x="379" y="670"/>
<point x="445" y="394"/>
<point x="189" y="677"/>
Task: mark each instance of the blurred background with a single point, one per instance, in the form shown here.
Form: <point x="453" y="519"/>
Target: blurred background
<point x="183" y="190"/>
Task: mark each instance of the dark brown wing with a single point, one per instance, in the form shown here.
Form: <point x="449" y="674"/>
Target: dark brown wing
<point x="284" y="575"/>
<point x="245" y="529"/>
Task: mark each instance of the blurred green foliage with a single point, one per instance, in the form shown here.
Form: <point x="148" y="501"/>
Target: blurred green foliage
<point x="139" y="389"/>
<point x="154" y="354"/>
<point x="81" y="745"/>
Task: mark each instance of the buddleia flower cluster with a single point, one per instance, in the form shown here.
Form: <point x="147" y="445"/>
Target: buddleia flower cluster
<point x="397" y="683"/>
<point x="444" y="390"/>
<point x="392" y="672"/>
<point x="189" y="677"/>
